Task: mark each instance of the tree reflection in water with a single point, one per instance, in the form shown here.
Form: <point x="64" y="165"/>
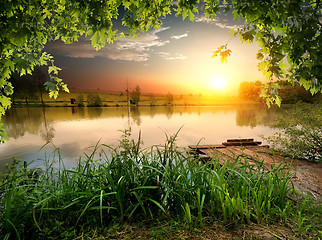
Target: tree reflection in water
<point x="47" y="131"/>
<point x="169" y="111"/>
<point x="19" y="121"/>
<point x="136" y="115"/>
<point x="94" y="112"/>
<point x="253" y="116"/>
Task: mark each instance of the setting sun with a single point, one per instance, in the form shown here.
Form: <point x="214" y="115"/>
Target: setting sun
<point x="218" y="82"/>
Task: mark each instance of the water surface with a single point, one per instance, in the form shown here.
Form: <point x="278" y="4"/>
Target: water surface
<point x="73" y="130"/>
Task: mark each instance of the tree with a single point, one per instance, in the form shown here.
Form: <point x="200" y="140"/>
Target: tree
<point x="293" y="93"/>
<point x="41" y="77"/>
<point x="250" y="90"/>
<point x="169" y="99"/>
<point x="285" y="30"/>
<point x="153" y="100"/>
<point x="80" y="101"/>
<point x="136" y="95"/>
<point x="26" y="88"/>
<point x="94" y="100"/>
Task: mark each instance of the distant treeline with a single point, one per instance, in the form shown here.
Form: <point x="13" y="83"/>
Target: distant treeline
<point x="250" y="91"/>
<point x="30" y="89"/>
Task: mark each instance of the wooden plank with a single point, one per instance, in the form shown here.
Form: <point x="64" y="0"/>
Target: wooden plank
<point x="209" y="152"/>
<point x="234" y="152"/>
<point x="216" y="155"/>
<point x="270" y="156"/>
<point x="241" y="143"/>
<point x="237" y="151"/>
<point x="252" y="154"/>
<point x="227" y="152"/>
<point x="241" y="140"/>
<point x="206" y="146"/>
<point x="257" y="156"/>
<point x="255" y="153"/>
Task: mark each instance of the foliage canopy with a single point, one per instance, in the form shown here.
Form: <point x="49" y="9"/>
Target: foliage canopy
<point x="284" y="29"/>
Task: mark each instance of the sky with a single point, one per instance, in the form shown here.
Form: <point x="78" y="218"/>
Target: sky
<point x="176" y="58"/>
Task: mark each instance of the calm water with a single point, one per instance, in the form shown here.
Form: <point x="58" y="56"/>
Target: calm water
<point x="73" y="130"/>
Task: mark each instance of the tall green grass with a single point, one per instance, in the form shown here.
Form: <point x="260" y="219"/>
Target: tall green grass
<point x="128" y="183"/>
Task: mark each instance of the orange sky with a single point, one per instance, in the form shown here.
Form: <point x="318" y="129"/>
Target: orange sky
<point x="175" y="58"/>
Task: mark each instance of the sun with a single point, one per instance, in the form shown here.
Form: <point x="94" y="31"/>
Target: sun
<point x="218" y="82"/>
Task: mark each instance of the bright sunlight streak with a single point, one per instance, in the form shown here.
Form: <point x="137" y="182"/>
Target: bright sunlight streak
<point x="218" y="82"/>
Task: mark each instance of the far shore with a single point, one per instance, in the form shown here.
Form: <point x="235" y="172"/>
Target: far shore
<point x="120" y="100"/>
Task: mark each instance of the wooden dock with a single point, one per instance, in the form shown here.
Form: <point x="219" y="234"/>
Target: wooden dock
<point x="233" y="148"/>
<point x="308" y="177"/>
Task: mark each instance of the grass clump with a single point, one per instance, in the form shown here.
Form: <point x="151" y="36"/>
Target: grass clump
<point x="128" y="184"/>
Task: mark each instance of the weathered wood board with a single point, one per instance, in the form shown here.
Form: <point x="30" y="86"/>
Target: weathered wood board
<point x="252" y="143"/>
<point x="241" y="140"/>
<point x="206" y="146"/>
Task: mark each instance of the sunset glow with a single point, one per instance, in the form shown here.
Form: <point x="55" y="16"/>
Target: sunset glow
<point x="175" y="58"/>
<point x="218" y="83"/>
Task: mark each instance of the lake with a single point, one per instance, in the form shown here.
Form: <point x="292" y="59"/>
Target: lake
<point x="73" y="130"/>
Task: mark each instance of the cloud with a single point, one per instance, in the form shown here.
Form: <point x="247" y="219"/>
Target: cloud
<point x="179" y="36"/>
<point x="170" y="56"/>
<point x="145" y="42"/>
<point x="217" y="23"/>
<point x="161" y="29"/>
<point x="125" y="55"/>
<point x="124" y="49"/>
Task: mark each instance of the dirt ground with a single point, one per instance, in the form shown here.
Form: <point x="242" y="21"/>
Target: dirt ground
<point x="208" y="232"/>
<point x="308" y="178"/>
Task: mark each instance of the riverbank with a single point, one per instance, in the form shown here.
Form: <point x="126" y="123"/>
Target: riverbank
<point x="120" y="99"/>
<point x="162" y="193"/>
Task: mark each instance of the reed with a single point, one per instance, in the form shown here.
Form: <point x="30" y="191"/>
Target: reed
<point x="127" y="183"/>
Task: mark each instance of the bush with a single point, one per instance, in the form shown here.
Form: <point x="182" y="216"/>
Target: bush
<point x="80" y="101"/>
<point x="94" y="100"/>
<point x="301" y="132"/>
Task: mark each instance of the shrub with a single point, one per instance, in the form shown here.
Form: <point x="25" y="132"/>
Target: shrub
<point x="94" y="100"/>
<point x="301" y="132"/>
<point x="80" y="101"/>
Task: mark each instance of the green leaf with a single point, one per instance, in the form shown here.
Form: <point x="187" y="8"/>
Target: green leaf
<point x="184" y="13"/>
<point x="53" y="69"/>
<point x="191" y="15"/>
<point x="103" y="36"/>
<point x="89" y="32"/>
<point x="275" y="85"/>
<point x="259" y="55"/>
<point x="94" y="39"/>
<point x="8" y="89"/>
<point x="232" y="32"/>
<point x="50" y="86"/>
<point x="65" y="88"/>
<point x="278" y="101"/>
<point x="53" y="94"/>
<point x="5" y="104"/>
